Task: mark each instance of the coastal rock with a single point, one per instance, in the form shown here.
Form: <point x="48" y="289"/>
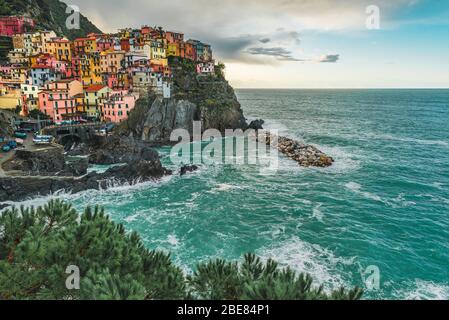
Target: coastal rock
<point x="76" y="167"/>
<point x="20" y="188"/>
<point x="256" y="124"/>
<point x="115" y="149"/>
<point x="138" y="171"/>
<point x="210" y="100"/>
<point x="48" y="160"/>
<point x="186" y="169"/>
<point x="166" y="115"/>
<point x="304" y="155"/>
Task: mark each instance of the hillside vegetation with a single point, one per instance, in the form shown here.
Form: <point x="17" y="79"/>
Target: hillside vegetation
<point x="48" y="14"/>
<point x="37" y="246"/>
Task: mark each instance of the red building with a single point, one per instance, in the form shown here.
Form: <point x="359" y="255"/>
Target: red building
<point x="10" y="26"/>
<point x="190" y="51"/>
<point x="125" y="45"/>
<point x="174" y="37"/>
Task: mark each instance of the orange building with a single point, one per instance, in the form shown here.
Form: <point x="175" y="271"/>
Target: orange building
<point x="190" y="51"/>
<point x="174" y="37"/>
<point x="84" y="46"/>
<point x="112" y="61"/>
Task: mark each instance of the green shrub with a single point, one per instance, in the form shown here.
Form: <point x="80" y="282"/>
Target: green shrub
<point x="37" y="245"/>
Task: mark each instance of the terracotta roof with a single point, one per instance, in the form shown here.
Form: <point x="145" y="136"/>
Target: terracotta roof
<point x="85" y="39"/>
<point x="95" y="88"/>
<point x="40" y="66"/>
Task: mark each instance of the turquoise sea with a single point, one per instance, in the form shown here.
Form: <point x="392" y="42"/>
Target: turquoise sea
<point x="385" y="202"/>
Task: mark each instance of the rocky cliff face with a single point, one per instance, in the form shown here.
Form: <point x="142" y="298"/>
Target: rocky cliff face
<point x="209" y="99"/>
<point x="6" y="118"/>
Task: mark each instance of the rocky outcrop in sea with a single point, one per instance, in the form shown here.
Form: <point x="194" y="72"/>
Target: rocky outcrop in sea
<point x="304" y="155"/>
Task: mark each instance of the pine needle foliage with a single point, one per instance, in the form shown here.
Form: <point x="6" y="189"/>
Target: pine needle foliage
<point x="37" y="246"/>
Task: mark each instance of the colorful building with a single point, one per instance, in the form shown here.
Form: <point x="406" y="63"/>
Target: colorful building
<point x="94" y="96"/>
<point x="112" y="61"/>
<point x="61" y="48"/>
<point x="30" y="95"/>
<point x="190" y="51"/>
<point x="82" y="46"/>
<point x="42" y="74"/>
<point x="205" y="68"/>
<point x="91" y="69"/>
<point x="118" y="105"/>
<point x="18" y="56"/>
<point x="12" y="25"/>
<point x="174" y="37"/>
<point x="10" y="98"/>
<point x="58" y="100"/>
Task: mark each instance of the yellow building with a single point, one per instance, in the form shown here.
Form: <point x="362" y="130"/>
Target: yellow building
<point x="157" y="48"/>
<point x="85" y="45"/>
<point x="94" y="96"/>
<point x="10" y="98"/>
<point x="60" y="48"/>
<point x="173" y="50"/>
<point x="91" y="69"/>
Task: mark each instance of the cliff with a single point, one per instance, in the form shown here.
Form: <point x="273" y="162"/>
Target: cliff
<point x="209" y="99"/>
<point x="6" y="119"/>
<point x="49" y="15"/>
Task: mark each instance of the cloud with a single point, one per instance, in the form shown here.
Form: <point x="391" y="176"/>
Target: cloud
<point x="277" y="23"/>
<point x="279" y="53"/>
<point x="236" y="15"/>
<point x="329" y="58"/>
<point x="244" y="48"/>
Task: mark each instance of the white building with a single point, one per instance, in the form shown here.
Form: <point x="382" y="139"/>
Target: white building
<point x="30" y="94"/>
<point x="166" y="90"/>
<point x="206" y="68"/>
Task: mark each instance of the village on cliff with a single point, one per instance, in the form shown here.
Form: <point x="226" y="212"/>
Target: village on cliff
<point x="97" y="78"/>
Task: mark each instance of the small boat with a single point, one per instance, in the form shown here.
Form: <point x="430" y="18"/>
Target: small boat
<point x="6" y="148"/>
<point x="20" y="135"/>
<point x="43" y="139"/>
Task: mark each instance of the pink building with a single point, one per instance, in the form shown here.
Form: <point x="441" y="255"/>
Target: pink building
<point x="10" y="26"/>
<point x="105" y="43"/>
<point x="62" y="67"/>
<point x="58" y="100"/>
<point x="118" y="106"/>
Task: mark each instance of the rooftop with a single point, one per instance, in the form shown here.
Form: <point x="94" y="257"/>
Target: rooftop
<point x="95" y="88"/>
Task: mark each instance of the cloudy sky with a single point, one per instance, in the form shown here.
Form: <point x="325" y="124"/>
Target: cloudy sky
<point x="303" y="43"/>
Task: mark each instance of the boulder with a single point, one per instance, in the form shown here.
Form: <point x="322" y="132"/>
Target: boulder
<point x="188" y="168"/>
<point x="304" y="155"/>
<point x="256" y="124"/>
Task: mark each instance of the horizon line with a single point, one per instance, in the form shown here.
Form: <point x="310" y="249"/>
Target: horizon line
<point x="349" y="88"/>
